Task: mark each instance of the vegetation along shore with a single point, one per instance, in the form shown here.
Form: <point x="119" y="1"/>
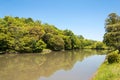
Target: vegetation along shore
<point x="25" y="35"/>
<point x="110" y="69"/>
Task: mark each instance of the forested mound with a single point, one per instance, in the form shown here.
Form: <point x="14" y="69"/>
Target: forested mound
<point x="25" y="35"/>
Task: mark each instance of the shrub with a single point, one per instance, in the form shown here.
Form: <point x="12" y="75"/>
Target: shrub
<point x="113" y="57"/>
<point x="56" y="43"/>
<point x="39" y="46"/>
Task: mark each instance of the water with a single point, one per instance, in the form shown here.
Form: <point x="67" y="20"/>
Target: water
<point x="65" y="65"/>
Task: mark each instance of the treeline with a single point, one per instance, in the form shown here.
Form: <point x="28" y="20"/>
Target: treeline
<point x="25" y="35"/>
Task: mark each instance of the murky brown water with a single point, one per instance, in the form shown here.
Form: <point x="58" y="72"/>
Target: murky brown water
<point x="67" y="65"/>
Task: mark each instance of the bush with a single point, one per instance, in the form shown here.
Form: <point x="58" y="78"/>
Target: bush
<point x="56" y="43"/>
<point x="113" y="57"/>
<point x="39" y="46"/>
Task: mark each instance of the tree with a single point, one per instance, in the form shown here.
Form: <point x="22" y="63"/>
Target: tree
<point x="113" y="18"/>
<point x="67" y="41"/>
<point x="80" y="37"/>
<point x="39" y="46"/>
<point x="112" y="27"/>
<point x="68" y="32"/>
<point x="46" y="37"/>
<point x="28" y="20"/>
<point x="3" y="42"/>
<point x="99" y="45"/>
<point x="37" y="32"/>
<point x="56" y="43"/>
<point x="75" y="42"/>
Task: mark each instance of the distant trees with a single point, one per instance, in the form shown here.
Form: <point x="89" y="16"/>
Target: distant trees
<point x="112" y="35"/>
<point x="25" y="35"/>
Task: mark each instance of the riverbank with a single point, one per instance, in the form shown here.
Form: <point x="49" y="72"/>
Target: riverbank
<point x="108" y="72"/>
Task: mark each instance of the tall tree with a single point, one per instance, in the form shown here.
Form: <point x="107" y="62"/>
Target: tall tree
<point x="112" y="27"/>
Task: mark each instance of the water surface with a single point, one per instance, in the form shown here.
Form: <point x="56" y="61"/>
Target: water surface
<point x="65" y="65"/>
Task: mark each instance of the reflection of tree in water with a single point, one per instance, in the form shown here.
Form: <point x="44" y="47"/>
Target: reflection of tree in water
<point x="33" y="66"/>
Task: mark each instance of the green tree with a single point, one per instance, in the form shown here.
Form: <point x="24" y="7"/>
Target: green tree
<point x="113" y="18"/>
<point x="67" y="41"/>
<point x="99" y="45"/>
<point x="56" y="43"/>
<point x="36" y="31"/>
<point x="3" y="42"/>
<point x="46" y="37"/>
<point x="68" y="32"/>
<point x="39" y="46"/>
<point x="29" y="20"/>
<point x="75" y="42"/>
<point x="112" y="35"/>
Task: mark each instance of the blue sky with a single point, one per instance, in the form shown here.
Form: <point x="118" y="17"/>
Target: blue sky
<point x="83" y="17"/>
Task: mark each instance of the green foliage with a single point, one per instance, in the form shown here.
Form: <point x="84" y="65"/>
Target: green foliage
<point x="25" y="35"/>
<point x="75" y="42"/>
<point x="39" y="46"/>
<point x="3" y="42"/>
<point x="112" y="35"/>
<point x="68" y="32"/>
<point x="99" y="45"/>
<point x="25" y="45"/>
<point x="113" y="18"/>
<point x="56" y="43"/>
<point x="113" y="57"/>
<point x="46" y="37"/>
<point x="67" y="45"/>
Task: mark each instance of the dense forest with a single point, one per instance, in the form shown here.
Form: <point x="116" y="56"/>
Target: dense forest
<point x="25" y="35"/>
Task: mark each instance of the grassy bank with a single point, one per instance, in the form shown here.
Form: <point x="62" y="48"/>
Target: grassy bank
<point x="108" y="72"/>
